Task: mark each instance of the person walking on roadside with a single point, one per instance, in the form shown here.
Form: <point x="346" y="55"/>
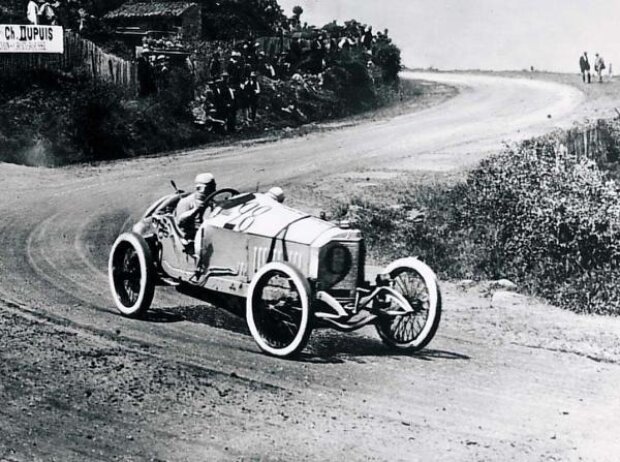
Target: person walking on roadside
<point x="32" y="12"/>
<point x="584" y="65"/>
<point x="599" y="67"/>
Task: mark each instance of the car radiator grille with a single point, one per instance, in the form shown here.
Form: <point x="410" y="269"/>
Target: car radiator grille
<point x="346" y="287"/>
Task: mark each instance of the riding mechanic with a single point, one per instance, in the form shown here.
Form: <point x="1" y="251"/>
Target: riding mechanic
<point x="190" y="209"/>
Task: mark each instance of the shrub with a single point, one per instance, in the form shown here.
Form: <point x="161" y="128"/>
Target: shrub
<point x="56" y="119"/>
<point x="549" y="219"/>
<point x="387" y="57"/>
<point x="538" y="214"/>
<point x="230" y="19"/>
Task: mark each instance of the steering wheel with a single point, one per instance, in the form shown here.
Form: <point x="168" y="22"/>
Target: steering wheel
<point x="220" y="195"/>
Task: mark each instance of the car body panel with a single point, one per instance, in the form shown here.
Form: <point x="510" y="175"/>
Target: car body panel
<point x="261" y="215"/>
<point x="241" y="235"/>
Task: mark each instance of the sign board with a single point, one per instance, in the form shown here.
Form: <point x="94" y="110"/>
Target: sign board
<point x="15" y="38"/>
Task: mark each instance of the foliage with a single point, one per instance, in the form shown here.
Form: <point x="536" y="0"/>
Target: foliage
<point x="387" y="57"/>
<point x="552" y="221"/>
<point x="350" y="79"/>
<point x="62" y="119"/>
<point x="230" y="19"/>
<point x="547" y="218"/>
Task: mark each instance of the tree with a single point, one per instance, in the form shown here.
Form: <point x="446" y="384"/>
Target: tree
<point x="387" y="57"/>
<point x="297" y="12"/>
<point x="232" y="19"/>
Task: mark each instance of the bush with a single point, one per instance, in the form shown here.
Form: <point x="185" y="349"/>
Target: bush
<point x="387" y="57"/>
<point x="56" y="119"/>
<point x="547" y="218"/>
<point x="230" y="19"/>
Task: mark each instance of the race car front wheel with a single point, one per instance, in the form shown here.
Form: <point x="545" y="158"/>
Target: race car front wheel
<point x="416" y="326"/>
<point x="132" y="275"/>
<point x="278" y="309"/>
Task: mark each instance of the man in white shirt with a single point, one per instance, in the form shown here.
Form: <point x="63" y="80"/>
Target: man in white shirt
<point x="33" y="12"/>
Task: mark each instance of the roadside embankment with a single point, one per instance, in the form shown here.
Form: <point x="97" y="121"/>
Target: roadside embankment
<point x="544" y="213"/>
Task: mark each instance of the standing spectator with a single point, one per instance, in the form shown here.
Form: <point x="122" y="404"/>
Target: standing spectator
<point x="32" y="12"/>
<point x="219" y="101"/>
<point x="46" y="14"/>
<point x="213" y="110"/>
<point x="234" y="68"/>
<point x="229" y="100"/>
<point x="584" y="65"/>
<point x="295" y="51"/>
<point x="146" y="78"/>
<point x="62" y="14"/>
<point x="333" y="44"/>
<point x="215" y="68"/>
<point x="367" y="38"/>
<point x="611" y="72"/>
<point x="599" y="67"/>
<point x="243" y="101"/>
<point x="265" y="66"/>
<point x="253" y="92"/>
<point x="83" y="19"/>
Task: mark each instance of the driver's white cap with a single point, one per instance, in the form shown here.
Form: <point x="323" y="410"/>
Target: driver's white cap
<point x="204" y="178"/>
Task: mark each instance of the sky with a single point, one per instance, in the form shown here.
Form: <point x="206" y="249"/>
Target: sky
<point x="484" y="34"/>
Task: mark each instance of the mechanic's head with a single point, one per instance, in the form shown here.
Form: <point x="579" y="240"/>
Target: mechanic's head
<point x="276" y="193"/>
<point x="205" y="185"/>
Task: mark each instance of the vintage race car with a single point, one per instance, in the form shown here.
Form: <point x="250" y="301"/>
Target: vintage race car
<point x="295" y="271"/>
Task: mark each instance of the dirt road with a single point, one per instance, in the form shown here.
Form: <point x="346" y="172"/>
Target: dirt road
<point x="505" y="379"/>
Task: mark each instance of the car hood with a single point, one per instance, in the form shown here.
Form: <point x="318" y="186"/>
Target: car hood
<point x="260" y="215"/>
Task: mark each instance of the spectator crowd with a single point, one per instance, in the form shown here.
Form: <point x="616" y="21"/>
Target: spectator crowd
<point x="298" y="54"/>
<point x="232" y="76"/>
<point x="66" y="13"/>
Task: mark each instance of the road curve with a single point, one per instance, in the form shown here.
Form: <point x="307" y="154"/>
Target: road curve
<point x="59" y="232"/>
<point x="58" y="225"/>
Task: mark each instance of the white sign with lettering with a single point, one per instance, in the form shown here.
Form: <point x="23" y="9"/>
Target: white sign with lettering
<point x="15" y="38"/>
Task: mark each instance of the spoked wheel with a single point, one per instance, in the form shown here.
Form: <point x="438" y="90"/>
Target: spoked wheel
<point x="417" y="284"/>
<point x="132" y="275"/>
<point x="278" y="310"/>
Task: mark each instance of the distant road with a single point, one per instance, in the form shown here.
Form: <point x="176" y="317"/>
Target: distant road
<point x="58" y="225"/>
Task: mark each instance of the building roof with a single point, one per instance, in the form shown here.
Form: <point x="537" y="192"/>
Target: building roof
<point x="150" y="9"/>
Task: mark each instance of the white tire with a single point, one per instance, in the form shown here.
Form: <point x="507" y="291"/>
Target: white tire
<point x="417" y="283"/>
<point x="131" y="274"/>
<point x="278" y="309"/>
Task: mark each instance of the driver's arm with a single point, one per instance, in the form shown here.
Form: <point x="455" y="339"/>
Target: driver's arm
<point x="187" y="216"/>
<point x="187" y="212"/>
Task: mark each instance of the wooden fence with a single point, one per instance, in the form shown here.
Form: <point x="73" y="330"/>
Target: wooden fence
<point x="595" y="141"/>
<point x="78" y="53"/>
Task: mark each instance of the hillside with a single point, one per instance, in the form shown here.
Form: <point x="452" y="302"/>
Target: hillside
<point x="218" y="90"/>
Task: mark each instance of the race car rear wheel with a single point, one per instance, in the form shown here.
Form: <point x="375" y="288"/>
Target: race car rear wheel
<point x="417" y="283"/>
<point x="278" y="309"/>
<point x="131" y="273"/>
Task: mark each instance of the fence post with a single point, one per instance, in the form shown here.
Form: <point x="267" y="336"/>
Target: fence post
<point x="94" y="65"/>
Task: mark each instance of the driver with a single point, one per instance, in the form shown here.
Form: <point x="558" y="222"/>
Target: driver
<point x="190" y="209"/>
